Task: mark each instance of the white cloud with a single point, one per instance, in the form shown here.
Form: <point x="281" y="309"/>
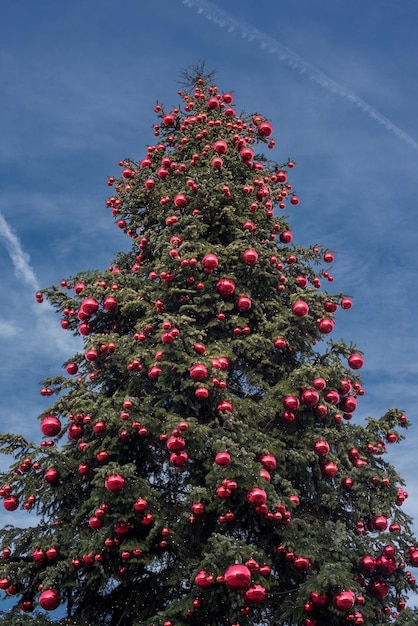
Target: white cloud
<point x="20" y="259"/>
<point x="225" y="20"/>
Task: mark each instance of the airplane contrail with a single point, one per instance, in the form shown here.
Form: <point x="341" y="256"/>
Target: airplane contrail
<point x="19" y="257"/>
<point x="225" y="20"/>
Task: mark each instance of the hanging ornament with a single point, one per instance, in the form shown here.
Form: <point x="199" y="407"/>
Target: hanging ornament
<point x="237" y="577"/>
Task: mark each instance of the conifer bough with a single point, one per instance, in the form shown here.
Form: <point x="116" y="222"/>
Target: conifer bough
<point x="200" y="464"/>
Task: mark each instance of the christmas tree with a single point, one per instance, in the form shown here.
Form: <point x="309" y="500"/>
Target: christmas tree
<point x="201" y="463"/>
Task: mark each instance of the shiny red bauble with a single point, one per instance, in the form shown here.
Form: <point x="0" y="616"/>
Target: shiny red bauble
<point x="265" y="129"/>
<point x="180" y="200"/>
<point x="203" y="580"/>
<point x="50" y="599"/>
<point x="237" y="577"/>
<point x="286" y="236"/>
<point x="325" y="325"/>
<point x="225" y="287"/>
<point x="52" y="476"/>
<point x="223" y="458"/>
<point x="344" y="601"/>
<point x="348" y="405"/>
<point x="50" y="426"/>
<point x="268" y="461"/>
<point x="256" y="496"/>
<point x="329" y="470"/>
<point x="346" y="303"/>
<point x="378" y="588"/>
<point x="309" y="397"/>
<point x="198" y="371"/>
<point x="220" y="147"/>
<point x="10" y="503"/>
<point x="110" y="303"/>
<point x="250" y="256"/>
<point x="72" y="369"/>
<point x="210" y="261"/>
<point x="89" y="306"/>
<point x="300" y="308"/>
<point x="321" y="447"/>
<point x="367" y="564"/>
<point x="355" y="361"/>
<point x="379" y="523"/>
<point x="244" y="303"/>
<point x="255" y="594"/>
<point x="115" y="483"/>
<point x="301" y="564"/>
<point x="318" y="599"/>
<point x="291" y="403"/>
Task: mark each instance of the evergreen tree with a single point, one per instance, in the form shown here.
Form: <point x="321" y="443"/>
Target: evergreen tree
<point x="200" y="464"/>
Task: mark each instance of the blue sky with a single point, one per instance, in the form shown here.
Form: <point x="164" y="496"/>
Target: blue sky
<point x="337" y="79"/>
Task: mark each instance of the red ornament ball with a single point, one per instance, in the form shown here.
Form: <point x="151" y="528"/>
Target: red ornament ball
<point x="50" y="599"/>
<point x="237" y="577"/>
<point x="198" y="371"/>
<point x="355" y="361"/>
<point x="250" y="256"/>
<point x="210" y="261"/>
<point x="344" y="601"/>
<point x="50" y="426"/>
<point x="115" y="483"/>
<point x="300" y="308"/>
<point x="225" y="287"/>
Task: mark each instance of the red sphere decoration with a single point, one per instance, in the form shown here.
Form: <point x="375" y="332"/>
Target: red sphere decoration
<point x="300" y="308"/>
<point x="379" y="523"/>
<point x="321" y="447"/>
<point x="291" y="403"/>
<point x="256" y="496"/>
<point x="348" y="405"/>
<point x="203" y="580"/>
<point x="268" y="461"/>
<point x="325" y="325"/>
<point x="250" y="256"/>
<point x="346" y="303"/>
<point x="226" y="287"/>
<point x="223" y="459"/>
<point x="220" y="147"/>
<point x="318" y="599"/>
<point x="244" y="303"/>
<point x="198" y="371"/>
<point x="110" y="303"/>
<point x="355" y="361"/>
<point x="378" y="588"/>
<point x="329" y="470"/>
<point x="52" y="476"/>
<point x="180" y="201"/>
<point x="89" y="306"/>
<point x="309" y="397"/>
<point x="50" y="599"/>
<point x="210" y="261"/>
<point x="344" y="601"/>
<point x="115" y="483"/>
<point x="265" y="129"/>
<point x="72" y="369"/>
<point x="10" y="503"/>
<point x="301" y="564"/>
<point x="367" y="564"/>
<point x="237" y="577"/>
<point x="286" y="236"/>
<point x="50" y="426"/>
<point x="255" y="594"/>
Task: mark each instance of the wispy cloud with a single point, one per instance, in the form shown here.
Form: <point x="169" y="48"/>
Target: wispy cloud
<point x="225" y="20"/>
<point x="19" y="257"/>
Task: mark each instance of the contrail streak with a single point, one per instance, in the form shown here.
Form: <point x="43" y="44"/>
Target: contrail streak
<point x="223" y="19"/>
<point x="19" y="257"/>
